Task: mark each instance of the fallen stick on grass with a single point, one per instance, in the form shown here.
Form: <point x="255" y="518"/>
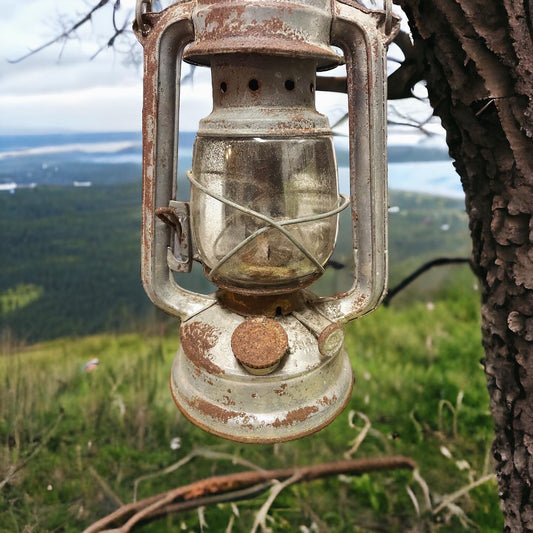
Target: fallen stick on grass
<point x="134" y="513"/>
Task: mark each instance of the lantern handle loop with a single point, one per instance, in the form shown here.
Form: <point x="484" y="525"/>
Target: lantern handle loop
<point x="387" y="5"/>
<point x="170" y="31"/>
<point x="142" y="7"/>
<point x="361" y="36"/>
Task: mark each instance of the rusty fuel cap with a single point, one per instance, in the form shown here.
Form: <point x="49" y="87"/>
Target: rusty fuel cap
<point x="259" y="345"/>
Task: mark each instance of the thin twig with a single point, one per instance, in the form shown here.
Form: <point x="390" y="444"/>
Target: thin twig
<point x="360" y="436"/>
<point x="234" y="496"/>
<point x="260" y="518"/>
<point x="449" y="405"/>
<point x="16" y="468"/>
<point x="413" y="499"/>
<point x="450" y="498"/>
<point x="425" y="489"/>
<point x="65" y="34"/>
<point x="105" y="487"/>
<point x="200" y="452"/>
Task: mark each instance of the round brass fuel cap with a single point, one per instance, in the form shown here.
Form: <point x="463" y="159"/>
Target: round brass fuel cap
<point x="259" y="344"/>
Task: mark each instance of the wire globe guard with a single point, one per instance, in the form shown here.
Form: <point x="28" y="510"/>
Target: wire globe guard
<point x="303" y="395"/>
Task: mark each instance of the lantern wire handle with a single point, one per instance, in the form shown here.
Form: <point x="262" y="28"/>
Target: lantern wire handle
<point x="140" y="11"/>
<point x="343" y="203"/>
<point x="388" y="16"/>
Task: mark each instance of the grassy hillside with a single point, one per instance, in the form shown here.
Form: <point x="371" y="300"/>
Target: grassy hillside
<point x="73" y="443"/>
<point x="70" y="258"/>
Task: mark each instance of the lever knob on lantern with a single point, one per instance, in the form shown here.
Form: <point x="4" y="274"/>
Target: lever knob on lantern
<point x="259" y="344"/>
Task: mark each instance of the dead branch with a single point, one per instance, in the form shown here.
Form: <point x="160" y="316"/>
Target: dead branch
<point x="118" y="31"/>
<point x="143" y="510"/>
<point x="419" y="271"/>
<point x="260" y="519"/>
<point x="450" y="498"/>
<point x="233" y="496"/>
<point x="331" y="84"/>
<point x="68" y="32"/>
<point x="360" y="436"/>
<point x="108" y="491"/>
<point x="411" y="70"/>
<point x="200" y="452"/>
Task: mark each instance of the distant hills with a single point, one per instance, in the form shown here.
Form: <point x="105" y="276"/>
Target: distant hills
<point x="60" y="159"/>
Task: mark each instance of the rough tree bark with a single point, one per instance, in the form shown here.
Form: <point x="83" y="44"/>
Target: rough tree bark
<point x="479" y="71"/>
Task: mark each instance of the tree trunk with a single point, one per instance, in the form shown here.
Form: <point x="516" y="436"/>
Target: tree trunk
<point x="479" y="59"/>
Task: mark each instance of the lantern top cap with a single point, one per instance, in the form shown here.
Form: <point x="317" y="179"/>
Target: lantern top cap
<point x="297" y="28"/>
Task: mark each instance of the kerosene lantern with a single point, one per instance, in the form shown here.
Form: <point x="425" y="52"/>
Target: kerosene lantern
<point x="263" y="358"/>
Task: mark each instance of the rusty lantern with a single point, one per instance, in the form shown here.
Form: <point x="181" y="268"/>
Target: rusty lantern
<point x="263" y="359"/>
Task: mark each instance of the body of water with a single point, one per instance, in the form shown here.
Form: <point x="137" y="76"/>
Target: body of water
<point x="411" y="167"/>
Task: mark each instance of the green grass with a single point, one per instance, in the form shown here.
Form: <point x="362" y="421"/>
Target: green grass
<point x="418" y="380"/>
<point x="72" y="442"/>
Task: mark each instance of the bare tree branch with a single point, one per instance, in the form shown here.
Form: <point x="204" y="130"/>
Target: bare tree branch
<point x="143" y="510"/>
<point x="118" y="32"/>
<point x="70" y="30"/>
<point x="419" y="271"/>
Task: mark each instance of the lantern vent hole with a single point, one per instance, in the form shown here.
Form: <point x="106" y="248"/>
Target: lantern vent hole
<point x="223" y="87"/>
<point x="253" y="85"/>
<point x="289" y="85"/>
<point x="311" y="88"/>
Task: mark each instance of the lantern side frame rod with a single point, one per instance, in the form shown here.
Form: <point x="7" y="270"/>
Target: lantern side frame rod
<point x="359" y="33"/>
<point x="169" y="33"/>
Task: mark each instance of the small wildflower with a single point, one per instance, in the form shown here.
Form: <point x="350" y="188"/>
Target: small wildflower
<point x="91" y="365"/>
<point x="447" y="453"/>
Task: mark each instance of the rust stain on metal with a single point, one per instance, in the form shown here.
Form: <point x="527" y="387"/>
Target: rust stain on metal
<point x="281" y="391"/>
<point x="275" y="29"/>
<point x="261" y="305"/>
<point x="328" y="401"/>
<point x="228" y="401"/>
<point x="261" y="290"/>
<point x="295" y="416"/>
<point x="197" y="341"/>
<point x="214" y="411"/>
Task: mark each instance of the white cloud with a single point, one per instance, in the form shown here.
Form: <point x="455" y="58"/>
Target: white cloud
<point x="116" y="108"/>
<point x="66" y="91"/>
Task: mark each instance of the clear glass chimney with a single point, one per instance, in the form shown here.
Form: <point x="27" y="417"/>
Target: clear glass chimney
<point x="264" y="156"/>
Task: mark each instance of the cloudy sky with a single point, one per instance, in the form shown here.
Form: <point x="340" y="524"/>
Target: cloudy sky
<point x="62" y="89"/>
